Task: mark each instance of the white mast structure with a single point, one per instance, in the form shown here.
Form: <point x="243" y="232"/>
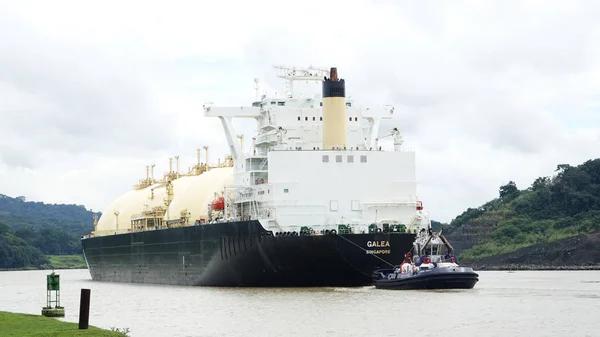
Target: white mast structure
<point x="291" y="180"/>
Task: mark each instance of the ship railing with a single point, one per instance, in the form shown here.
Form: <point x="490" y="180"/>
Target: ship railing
<point x="112" y="231"/>
<point x="268" y="138"/>
<point x="266" y="213"/>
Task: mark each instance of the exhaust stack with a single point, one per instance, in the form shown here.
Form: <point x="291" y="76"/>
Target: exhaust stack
<point x="334" y="112"/>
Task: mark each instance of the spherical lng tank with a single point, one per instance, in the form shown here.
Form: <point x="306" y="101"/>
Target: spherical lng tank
<point x="191" y="193"/>
<point x="126" y="205"/>
<point x="198" y="192"/>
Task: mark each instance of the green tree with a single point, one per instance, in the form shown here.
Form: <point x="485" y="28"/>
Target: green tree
<point x="509" y="191"/>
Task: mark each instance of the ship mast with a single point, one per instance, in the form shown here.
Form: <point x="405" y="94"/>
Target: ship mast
<point x="292" y="74"/>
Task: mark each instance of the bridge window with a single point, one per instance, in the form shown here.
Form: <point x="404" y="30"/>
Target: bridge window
<point x="326" y="158"/>
<point x="338" y="158"/>
<point x="351" y="159"/>
<point x="281" y="103"/>
<point x="363" y="159"/>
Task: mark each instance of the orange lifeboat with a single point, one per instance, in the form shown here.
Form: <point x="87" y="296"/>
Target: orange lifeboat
<point x="218" y="204"/>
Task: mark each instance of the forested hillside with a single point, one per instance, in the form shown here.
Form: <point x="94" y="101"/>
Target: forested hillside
<point x="543" y="215"/>
<point x="19" y="213"/>
<point x="31" y="230"/>
<point x="16" y="252"/>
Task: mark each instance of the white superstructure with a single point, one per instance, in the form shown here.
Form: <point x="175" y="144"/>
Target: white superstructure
<point x="289" y="181"/>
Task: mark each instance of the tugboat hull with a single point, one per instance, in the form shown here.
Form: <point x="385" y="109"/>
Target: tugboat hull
<point x="437" y="278"/>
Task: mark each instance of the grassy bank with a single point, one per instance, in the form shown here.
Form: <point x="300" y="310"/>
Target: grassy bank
<point x="23" y="325"/>
<point x="67" y="261"/>
<point x="57" y="262"/>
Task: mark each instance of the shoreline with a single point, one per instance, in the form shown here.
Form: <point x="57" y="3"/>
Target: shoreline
<point x="34" y="268"/>
<point x="528" y="267"/>
<point x="483" y="267"/>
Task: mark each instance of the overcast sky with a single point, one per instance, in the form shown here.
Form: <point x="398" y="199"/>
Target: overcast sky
<point x="486" y="91"/>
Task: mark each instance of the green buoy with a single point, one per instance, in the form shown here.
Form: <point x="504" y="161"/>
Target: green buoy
<point x="53" y="288"/>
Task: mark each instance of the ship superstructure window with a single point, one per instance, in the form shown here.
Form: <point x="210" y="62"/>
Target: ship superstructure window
<point x="348" y="104"/>
<point x="298" y="117"/>
<point x="351" y="159"/>
<point x="350" y="119"/>
<point x="314" y="119"/>
<point x="321" y="103"/>
<point x="305" y="118"/>
<point x="285" y="190"/>
<point x="338" y="158"/>
<point x="363" y="159"/>
<point x="333" y="205"/>
<point x="326" y="158"/>
<point x="355" y="205"/>
<point x="321" y="118"/>
<point x="273" y="102"/>
<point x="356" y="119"/>
<point x="281" y="103"/>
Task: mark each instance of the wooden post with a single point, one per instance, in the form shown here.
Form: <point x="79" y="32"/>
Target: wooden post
<point x="84" y="309"/>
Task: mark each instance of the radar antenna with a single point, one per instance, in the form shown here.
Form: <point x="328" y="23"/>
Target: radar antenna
<point x="291" y="74"/>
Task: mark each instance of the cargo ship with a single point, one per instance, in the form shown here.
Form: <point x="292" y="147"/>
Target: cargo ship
<point x="314" y="201"/>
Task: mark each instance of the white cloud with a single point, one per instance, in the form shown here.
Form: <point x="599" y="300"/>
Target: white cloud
<point x="487" y="91"/>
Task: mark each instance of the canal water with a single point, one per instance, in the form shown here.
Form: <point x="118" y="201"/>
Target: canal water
<point x="523" y="303"/>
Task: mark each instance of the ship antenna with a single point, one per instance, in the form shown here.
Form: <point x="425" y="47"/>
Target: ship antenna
<point x="257" y="88"/>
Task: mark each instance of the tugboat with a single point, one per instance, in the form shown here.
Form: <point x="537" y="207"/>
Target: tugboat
<point x="428" y="268"/>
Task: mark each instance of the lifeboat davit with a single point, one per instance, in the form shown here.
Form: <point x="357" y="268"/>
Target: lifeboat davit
<point x="218" y="204"/>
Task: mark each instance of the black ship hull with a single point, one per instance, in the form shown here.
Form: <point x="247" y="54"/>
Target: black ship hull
<point x="242" y="254"/>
